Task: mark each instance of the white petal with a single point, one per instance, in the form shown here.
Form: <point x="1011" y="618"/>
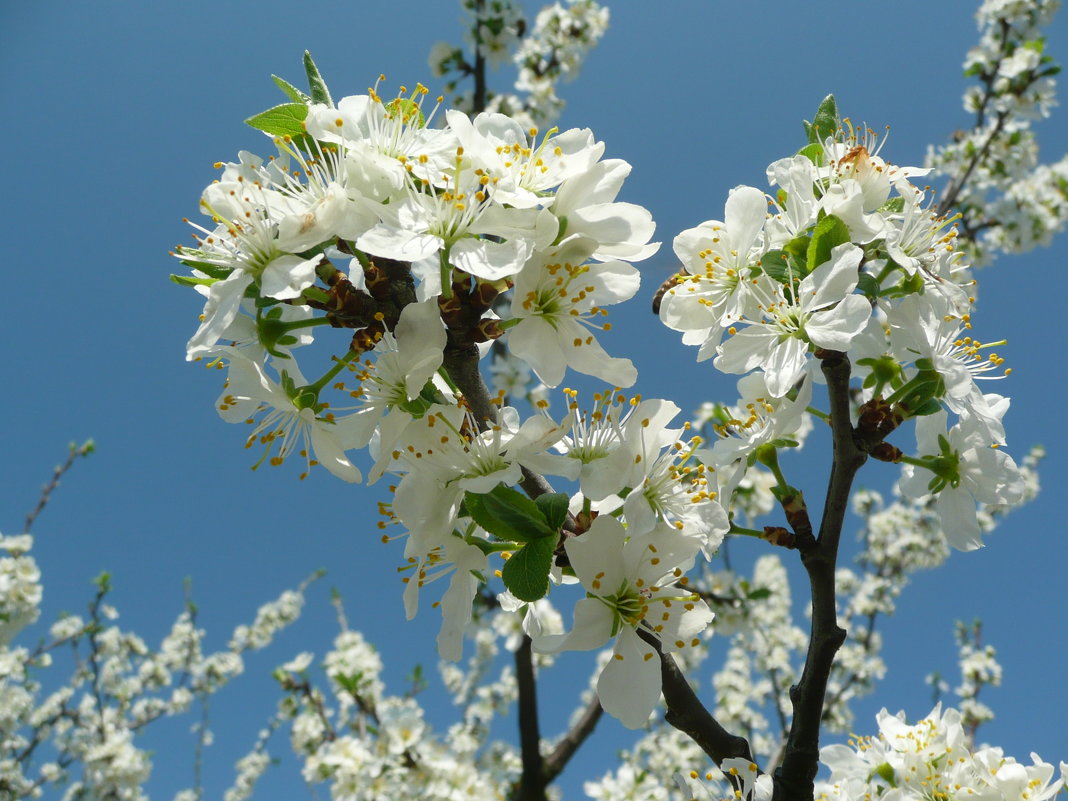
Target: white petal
<point x="629" y="685"/>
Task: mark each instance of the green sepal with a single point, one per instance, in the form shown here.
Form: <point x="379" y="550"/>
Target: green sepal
<point x="284" y="120"/>
<point x="316" y="84"/>
<point x="912" y="285"/>
<point x="421" y="403"/>
<point x="526" y="574"/>
<point x="829" y="233"/>
<point x="553" y="506"/>
<point x="825" y="122"/>
<point x="292" y="92"/>
<point x="189" y="280"/>
<point x="214" y="270"/>
<point x="885" y="772"/>
<point x="929" y="406"/>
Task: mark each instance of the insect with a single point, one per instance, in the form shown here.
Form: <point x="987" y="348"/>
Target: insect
<point x="664" y="287"/>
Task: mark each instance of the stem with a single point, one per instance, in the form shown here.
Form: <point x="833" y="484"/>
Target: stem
<point x="311" y="321"/>
<point x="333" y="371"/>
<point x="746" y="532"/>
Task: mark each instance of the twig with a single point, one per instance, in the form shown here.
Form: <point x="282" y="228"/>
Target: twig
<point x="566" y="748"/>
<point x="74" y="451"/>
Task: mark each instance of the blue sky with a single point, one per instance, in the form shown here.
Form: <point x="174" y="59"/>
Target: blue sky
<point x="115" y="113"/>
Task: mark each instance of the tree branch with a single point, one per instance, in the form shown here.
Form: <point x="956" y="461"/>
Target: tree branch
<point x="794" y="778"/>
<point x="687" y="714"/>
<point x="566" y="748"/>
<point x="532" y="781"/>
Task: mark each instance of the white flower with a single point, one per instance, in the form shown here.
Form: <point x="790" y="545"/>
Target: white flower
<point x="717" y="257"/>
<point x="966" y="470"/>
<point x="523" y="171"/>
<point x="630" y="583"/>
<point x="821" y="311"/>
<point x="288" y="420"/>
<point x="559" y="297"/>
<point x="622" y="230"/>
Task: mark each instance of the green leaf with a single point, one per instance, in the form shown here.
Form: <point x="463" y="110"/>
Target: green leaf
<point x="518" y="512"/>
<point x="830" y="232"/>
<point x="813" y="152"/>
<point x="775" y="265"/>
<point x="284" y="120"/>
<point x="798" y="246"/>
<point x="292" y="92"/>
<point x="759" y="594"/>
<point x="868" y="285"/>
<point x="502" y="520"/>
<point x="826" y="121"/>
<point x="894" y="205"/>
<point x="526" y="574"/>
<point x="553" y="507"/>
<point x="319" y="92"/>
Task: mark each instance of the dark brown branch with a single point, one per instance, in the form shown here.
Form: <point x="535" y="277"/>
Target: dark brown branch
<point x="532" y="781"/>
<point x="478" y="102"/>
<point x="687" y="714"/>
<point x="794" y="778"/>
<point x="569" y="744"/>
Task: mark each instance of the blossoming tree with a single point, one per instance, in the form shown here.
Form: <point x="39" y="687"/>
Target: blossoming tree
<point x="463" y="243"/>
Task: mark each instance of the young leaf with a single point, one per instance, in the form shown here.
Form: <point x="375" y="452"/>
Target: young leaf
<point x="517" y="511"/>
<point x="553" y="506"/>
<point x="292" y="92"/>
<point x="825" y="122"/>
<point x="319" y="92"/>
<point x="868" y="285"/>
<point x="813" y="152"/>
<point x="526" y="574"/>
<point x="830" y="232"/>
<point x="475" y="505"/>
<point x="284" y="120"/>
<point x="774" y="264"/>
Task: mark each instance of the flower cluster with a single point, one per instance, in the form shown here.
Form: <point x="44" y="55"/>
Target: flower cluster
<point x="931" y="759"/>
<point x="432" y="227"/>
<point x="552" y="49"/>
<point x="850" y="258"/>
<point x="1009" y="202"/>
<point x="82" y="732"/>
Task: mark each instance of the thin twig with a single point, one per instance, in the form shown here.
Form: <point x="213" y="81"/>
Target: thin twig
<point x="73" y="453"/>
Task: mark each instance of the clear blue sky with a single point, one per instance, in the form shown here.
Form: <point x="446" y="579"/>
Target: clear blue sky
<point x="114" y="113"/>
